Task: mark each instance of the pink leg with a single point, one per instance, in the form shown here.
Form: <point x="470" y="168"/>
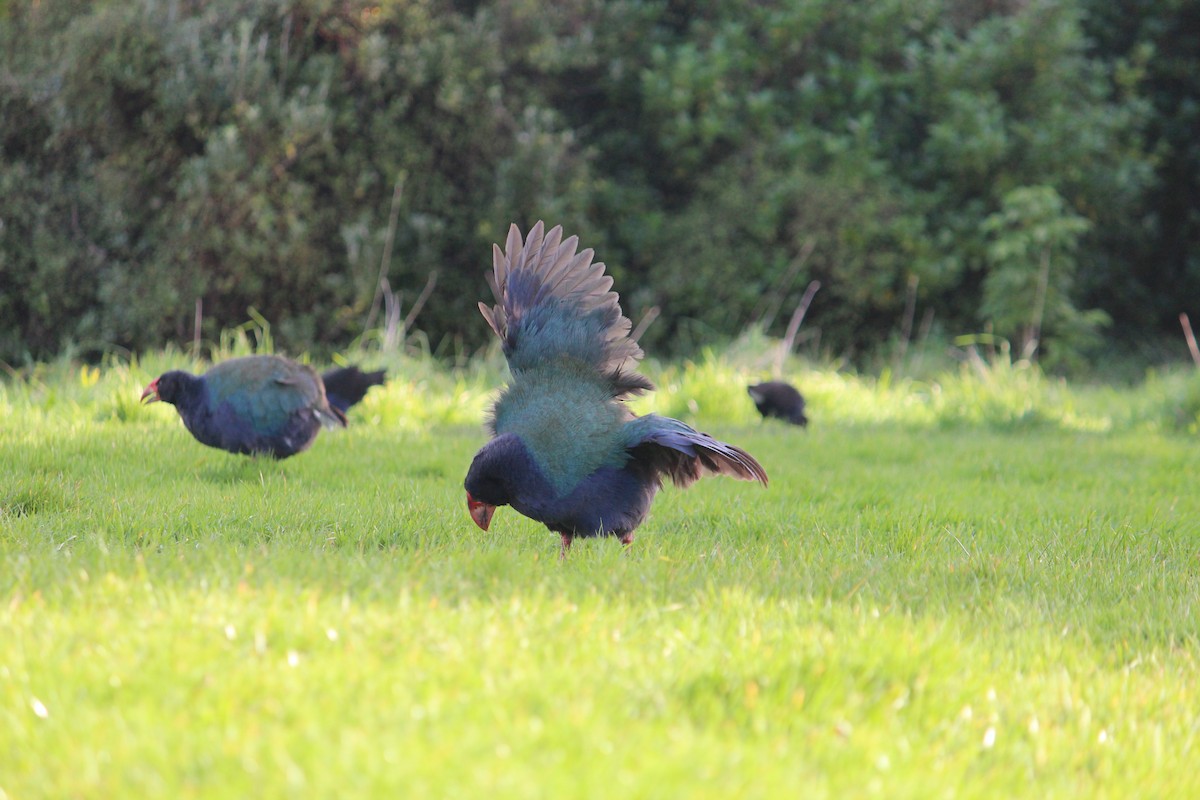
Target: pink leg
<point x="566" y="546"/>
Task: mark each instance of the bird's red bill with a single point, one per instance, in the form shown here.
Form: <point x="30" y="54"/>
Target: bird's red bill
<point x="151" y="392"/>
<point x="480" y="512"/>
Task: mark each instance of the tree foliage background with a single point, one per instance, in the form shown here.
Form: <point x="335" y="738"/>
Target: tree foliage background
<point x="717" y="155"/>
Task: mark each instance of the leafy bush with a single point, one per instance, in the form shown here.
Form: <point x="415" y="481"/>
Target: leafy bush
<point x="285" y="155"/>
<point x="1026" y="294"/>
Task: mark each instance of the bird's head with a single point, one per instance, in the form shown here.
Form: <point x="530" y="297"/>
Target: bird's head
<point x="486" y="487"/>
<point x="496" y="474"/>
<point x="166" y="387"/>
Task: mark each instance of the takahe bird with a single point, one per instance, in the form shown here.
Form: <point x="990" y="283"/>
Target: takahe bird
<point x="566" y="451"/>
<point x="779" y="399"/>
<point x="347" y="386"/>
<point x="256" y="404"/>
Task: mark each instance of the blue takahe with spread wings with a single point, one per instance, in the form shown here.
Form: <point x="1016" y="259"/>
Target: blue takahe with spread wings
<point x="566" y="451"/>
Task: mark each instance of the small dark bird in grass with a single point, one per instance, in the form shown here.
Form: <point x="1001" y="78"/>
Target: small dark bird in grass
<point x="566" y="451"/>
<point x="347" y="386"/>
<point x="266" y="405"/>
<point x="779" y="399"/>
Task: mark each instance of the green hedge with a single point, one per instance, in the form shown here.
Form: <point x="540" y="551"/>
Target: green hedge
<point x="245" y="153"/>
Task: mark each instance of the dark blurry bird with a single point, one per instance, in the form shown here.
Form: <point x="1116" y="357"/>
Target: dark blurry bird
<point x="256" y="404"/>
<point x="566" y="451"/>
<point x="779" y="399"/>
<point x="347" y="386"/>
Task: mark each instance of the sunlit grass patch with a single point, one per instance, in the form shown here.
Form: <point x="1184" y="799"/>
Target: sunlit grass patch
<point x="997" y="392"/>
<point x="983" y="578"/>
<point x="981" y="583"/>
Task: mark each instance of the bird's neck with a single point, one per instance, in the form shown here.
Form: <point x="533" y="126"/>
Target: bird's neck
<point x="192" y="396"/>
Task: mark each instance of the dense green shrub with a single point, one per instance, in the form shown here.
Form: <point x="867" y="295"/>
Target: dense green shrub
<point x="246" y="154"/>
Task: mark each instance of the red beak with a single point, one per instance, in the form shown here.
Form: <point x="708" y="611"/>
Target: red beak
<point x="480" y="512"/>
<point x="151" y="392"/>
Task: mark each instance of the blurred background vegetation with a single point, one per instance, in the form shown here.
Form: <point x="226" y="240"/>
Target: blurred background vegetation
<point x="1023" y="169"/>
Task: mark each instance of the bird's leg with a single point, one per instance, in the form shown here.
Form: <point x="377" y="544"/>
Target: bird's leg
<point x="565" y="547"/>
<point x="627" y="541"/>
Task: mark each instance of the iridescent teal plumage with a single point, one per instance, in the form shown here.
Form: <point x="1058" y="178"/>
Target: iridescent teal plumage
<point x="567" y="417"/>
<point x="566" y="450"/>
<point x="267" y="391"/>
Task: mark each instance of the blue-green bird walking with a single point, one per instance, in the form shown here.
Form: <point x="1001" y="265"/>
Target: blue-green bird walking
<point x="266" y="405"/>
<point x="566" y="450"/>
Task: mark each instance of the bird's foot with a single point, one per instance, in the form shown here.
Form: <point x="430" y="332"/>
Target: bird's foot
<point x="627" y="541"/>
<point x="565" y="547"/>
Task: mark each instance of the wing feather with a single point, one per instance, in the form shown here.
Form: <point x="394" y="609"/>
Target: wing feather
<point x="562" y="261"/>
<point x="269" y="389"/>
<point x="553" y="300"/>
<point x="684" y="454"/>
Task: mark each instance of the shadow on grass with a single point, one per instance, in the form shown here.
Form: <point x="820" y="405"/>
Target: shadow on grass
<point x="235" y="470"/>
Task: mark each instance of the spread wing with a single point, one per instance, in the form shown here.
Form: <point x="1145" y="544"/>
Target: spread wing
<point x="684" y="454"/>
<point x="554" y="303"/>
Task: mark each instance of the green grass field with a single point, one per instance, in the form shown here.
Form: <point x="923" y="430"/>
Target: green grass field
<point x="976" y="587"/>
